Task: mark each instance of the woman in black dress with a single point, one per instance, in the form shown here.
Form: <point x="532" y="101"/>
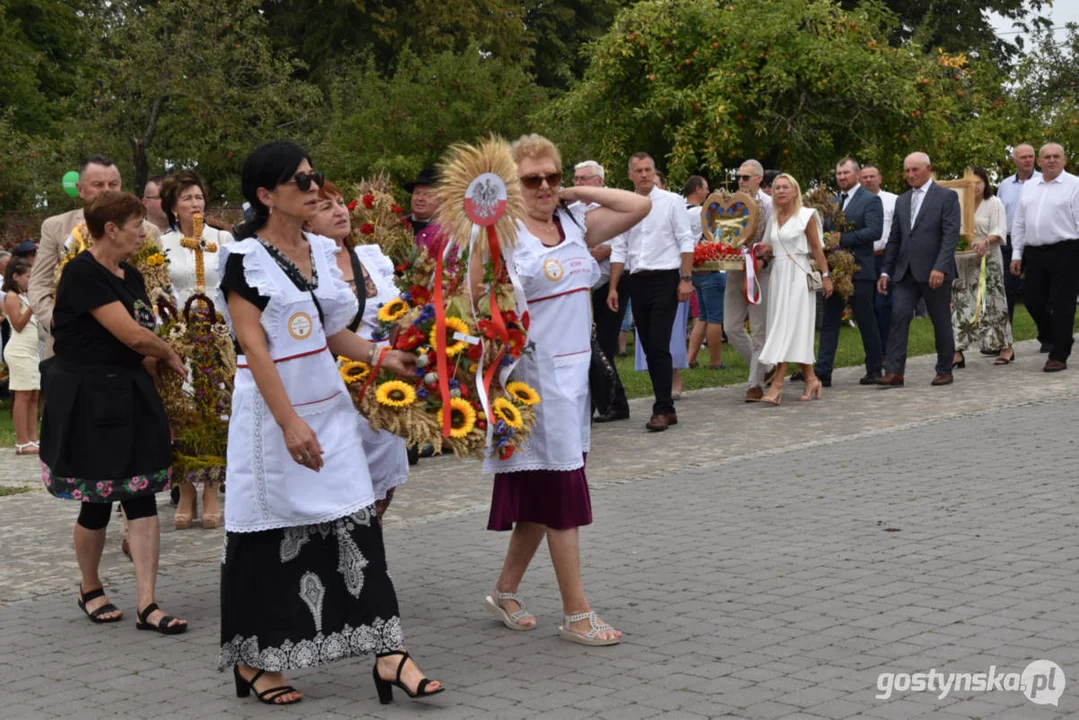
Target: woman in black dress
<point x="104" y="437"/>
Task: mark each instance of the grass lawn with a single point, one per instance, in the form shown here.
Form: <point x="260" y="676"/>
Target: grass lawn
<point x="850" y="353"/>
<point x="7" y="427"/>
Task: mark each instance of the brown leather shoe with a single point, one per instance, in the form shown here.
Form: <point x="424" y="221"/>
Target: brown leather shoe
<point x="754" y="394"/>
<point x="891" y="380"/>
<point x="942" y="380"/>
<point x="658" y="423"/>
<point x="672" y="419"/>
<point x="1054" y="366"/>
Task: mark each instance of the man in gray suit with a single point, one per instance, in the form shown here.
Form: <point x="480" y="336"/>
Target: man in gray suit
<point x="865" y="212"/>
<point x="919" y="262"/>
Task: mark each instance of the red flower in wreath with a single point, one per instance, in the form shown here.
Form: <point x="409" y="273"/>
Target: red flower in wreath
<point x="367" y="228"/>
<point x="406" y="222"/>
<point x="517" y="342"/>
<point x="510" y="317"/>
<point x="396" y="209"/>
<point x="475" y="352"/>
<point x="506" y="452"/>
<point x="525" y="321"/>
<point x="368" y="201"/>
<point x="352" y="206"/>
<point x="420" y="295"/>
<point x="487" y="329"/>
<point x="410" y="339"/>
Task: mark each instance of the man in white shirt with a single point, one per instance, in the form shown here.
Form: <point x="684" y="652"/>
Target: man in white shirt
<point x="871" y="179"/>
<point x="658" y="255"/>
<point x="1009" y="191"/>
<point x="1045" y="243"/>
<point x="609" y="403"/>
<point x="735" y="306"/>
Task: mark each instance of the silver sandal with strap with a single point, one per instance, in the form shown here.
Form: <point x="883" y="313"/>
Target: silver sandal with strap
<point x="591" y="638"/>
<point x="493" y="604"/>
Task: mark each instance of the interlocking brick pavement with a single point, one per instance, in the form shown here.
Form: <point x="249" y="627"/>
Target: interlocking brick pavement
<point x="763" y="563"/>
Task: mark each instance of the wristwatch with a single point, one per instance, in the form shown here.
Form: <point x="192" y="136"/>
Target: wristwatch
<point x="825" y="275"/>
<point x="687" y="278"/>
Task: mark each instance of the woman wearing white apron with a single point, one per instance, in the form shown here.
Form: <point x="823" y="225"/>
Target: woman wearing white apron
<point x="303" y="578"/>
<point x="369" y="273"/>
<point x="542" y="487"/>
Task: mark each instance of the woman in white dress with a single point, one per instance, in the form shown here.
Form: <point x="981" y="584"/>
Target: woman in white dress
<point x="792" y="235"/>
<point x="369" y="272"/>
<point x="303" y="579"/>
<point x="183" y="195"/>
<point x="22" y="355"/>
<point x="541" y="490"/>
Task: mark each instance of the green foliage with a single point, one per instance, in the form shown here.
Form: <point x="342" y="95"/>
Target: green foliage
<point x="684" y="80"/>
<point x="401" y="124"/>
<point x="189" y="82"/>
<point x="1049" y="90"/>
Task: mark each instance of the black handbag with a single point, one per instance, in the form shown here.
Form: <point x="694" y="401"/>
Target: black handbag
<point x="602" y="378"/>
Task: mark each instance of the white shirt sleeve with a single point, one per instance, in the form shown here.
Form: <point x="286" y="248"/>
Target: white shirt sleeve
<point x="683" y="234"/>
<point x="618" y="248"/>
<point x="1019" y="225"/>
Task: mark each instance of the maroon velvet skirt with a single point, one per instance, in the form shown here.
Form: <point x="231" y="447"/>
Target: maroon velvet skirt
<point x="558" y="499"/>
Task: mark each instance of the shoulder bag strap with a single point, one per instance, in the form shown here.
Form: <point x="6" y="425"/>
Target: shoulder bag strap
<point x="361" y="289"/>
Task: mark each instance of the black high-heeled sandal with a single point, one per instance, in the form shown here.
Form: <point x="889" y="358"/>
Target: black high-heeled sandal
<point x="95" y="616"/>
<point x="164" y="627"/>
<point x="268" y="696"/>
<point x="385" y="687"/>
<point x="961" y="363"/>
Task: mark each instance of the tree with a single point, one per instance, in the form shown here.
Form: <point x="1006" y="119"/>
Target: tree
<point x="1048" y="89"/>
<point x="961" y="26"/>
<point x="191" y="83"/>
<point x="401" y="124"/>
<point x="683" y="80"/>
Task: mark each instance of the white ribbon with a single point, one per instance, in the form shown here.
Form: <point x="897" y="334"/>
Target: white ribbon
<point x="754" y="297"/>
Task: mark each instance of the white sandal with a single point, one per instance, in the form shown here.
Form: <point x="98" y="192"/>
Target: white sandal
<point x="591" y="638"/>
<point x="23" y="449"/>
<point x="493" y="604"/>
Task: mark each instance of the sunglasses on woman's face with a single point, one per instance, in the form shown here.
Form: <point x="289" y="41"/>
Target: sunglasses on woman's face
<point x="303" y="180"/>
<point x="535" y="182"/>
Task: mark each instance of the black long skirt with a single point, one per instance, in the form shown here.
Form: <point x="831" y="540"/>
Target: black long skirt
<point x="303" y="596"/>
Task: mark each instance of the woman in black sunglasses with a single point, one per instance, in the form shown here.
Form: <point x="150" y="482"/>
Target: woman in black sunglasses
<point x="303" y="577"/>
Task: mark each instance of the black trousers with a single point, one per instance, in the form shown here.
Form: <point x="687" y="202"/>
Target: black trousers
<point x="938" y="303"/>
<point x="1013" y="285"/>
<point x="654" y="295"/>
<point x="608" y="325"/>
<point x="861" y="303"/>
<point x="1052" y="279"/>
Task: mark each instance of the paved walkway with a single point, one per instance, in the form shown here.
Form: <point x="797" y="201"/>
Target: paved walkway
<point x="763" y="562"/>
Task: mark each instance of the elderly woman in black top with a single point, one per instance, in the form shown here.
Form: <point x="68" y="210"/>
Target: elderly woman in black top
<point x="104" y="437"/>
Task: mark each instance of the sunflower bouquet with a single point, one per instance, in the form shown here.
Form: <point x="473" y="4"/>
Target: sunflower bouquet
<point x="841" y="263"/>
<point x="377" y="219"/>
<point x="198" y="411"/>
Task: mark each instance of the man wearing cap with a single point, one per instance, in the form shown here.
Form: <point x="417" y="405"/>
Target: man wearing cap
<point x="26" y="249"/>
<point x="424" y="202"/>
<point x="96" y="175"/>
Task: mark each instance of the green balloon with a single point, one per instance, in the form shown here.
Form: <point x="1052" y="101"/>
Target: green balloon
<point x="70" y="178"/>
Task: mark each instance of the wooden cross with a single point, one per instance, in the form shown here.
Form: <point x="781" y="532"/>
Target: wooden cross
<point x="200" y="246"/>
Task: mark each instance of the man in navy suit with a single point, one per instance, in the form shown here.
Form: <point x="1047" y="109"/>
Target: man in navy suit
<point x="919" y="262"/>
<point x="865" y="212"/>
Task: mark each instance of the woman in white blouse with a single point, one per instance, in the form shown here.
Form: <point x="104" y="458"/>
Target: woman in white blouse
<point x="183" y="195"/>
<point x="986" y="328"/>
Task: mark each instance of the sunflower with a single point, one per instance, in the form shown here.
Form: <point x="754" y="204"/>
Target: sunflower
<point x="453" y="347"/>
<point x="395" y="393"/>
<point x="354" y="371"/>
<point x="392" y="311"/>
<point x="462" y="417"/>
<point x="507" y="413"/>
<point x="522" y="394"/>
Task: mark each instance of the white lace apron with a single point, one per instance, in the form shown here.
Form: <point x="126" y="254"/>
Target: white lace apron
<point x="267" y="488"/>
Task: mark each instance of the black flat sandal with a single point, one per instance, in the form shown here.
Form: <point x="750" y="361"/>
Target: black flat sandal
<point x="268" y="696"/>
<point x="163" y="626"/>
<point x="95" y="616"/>
<point x="385" y="687"/>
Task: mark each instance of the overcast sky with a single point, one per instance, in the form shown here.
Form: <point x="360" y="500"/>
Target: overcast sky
<point x="1062" y="12"/>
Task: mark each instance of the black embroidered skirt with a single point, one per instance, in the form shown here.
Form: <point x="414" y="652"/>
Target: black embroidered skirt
<point x="302" y="596"/>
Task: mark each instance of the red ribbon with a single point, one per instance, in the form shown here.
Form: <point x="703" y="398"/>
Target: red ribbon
<point x="442" y="362"/>
<point x="751" y="257"/>
<point x="496" y="316"/>
<point x="374" y="372"/>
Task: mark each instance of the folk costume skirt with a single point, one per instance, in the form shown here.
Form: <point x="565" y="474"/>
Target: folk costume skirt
<point x="297" y="597"/>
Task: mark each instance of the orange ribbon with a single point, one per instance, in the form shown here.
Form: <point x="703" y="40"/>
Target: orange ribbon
<point x="374" y="372"/>
<point x="442" y="362"/>
<point x="496" y="316"/>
